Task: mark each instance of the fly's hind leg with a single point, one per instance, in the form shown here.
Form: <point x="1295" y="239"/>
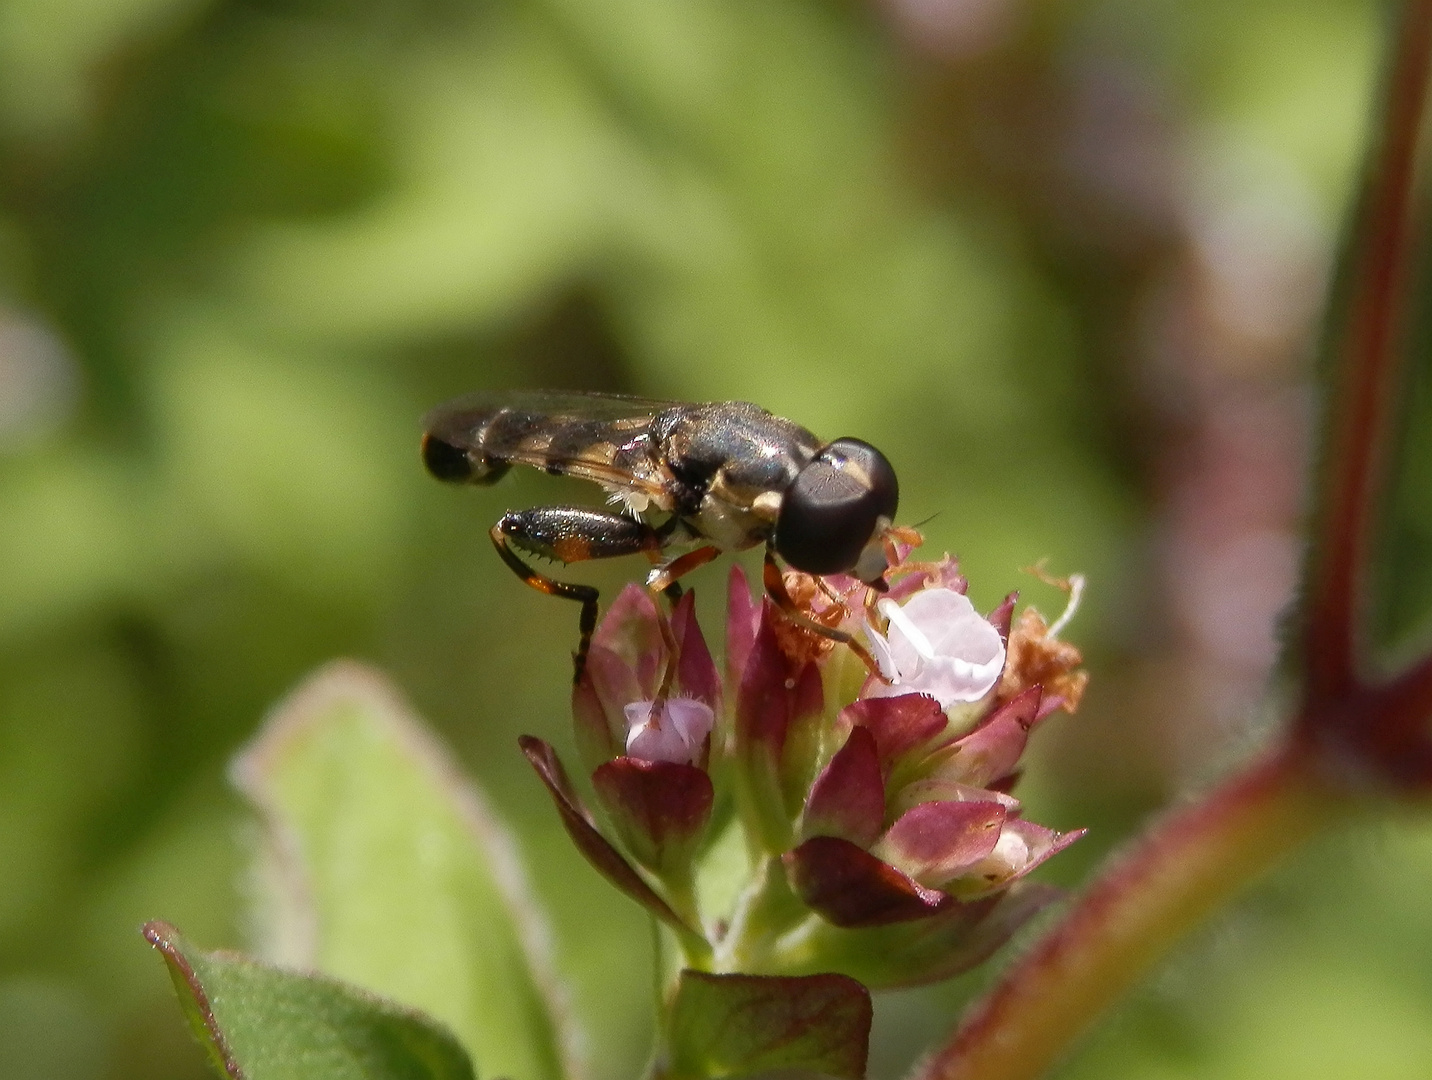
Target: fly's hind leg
<point x="570" y="534"/>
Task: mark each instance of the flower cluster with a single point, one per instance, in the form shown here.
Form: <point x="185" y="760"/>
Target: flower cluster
<point x="801" y="812"/>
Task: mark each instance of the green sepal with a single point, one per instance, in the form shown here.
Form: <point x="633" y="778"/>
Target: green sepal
<point x="745" y="1025"/>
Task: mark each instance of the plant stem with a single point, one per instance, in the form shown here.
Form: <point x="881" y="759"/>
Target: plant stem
<point x="1150" y="895"/>
<point x="765" y="910"/>
<point x="1370" y="355"/>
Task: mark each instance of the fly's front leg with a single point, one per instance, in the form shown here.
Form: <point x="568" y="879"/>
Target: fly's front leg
<point x="776" y="590"/>
<point x="664" y="577"/>
<point x="570" y="534"/>
<point x="660" y="580"/>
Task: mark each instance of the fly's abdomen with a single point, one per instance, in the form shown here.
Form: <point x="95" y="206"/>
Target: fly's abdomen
<point x="473" y="446"/>
<point x="455" y="465"/>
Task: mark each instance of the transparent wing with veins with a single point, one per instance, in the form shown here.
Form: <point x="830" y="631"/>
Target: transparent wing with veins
<point x="604" y="438"/>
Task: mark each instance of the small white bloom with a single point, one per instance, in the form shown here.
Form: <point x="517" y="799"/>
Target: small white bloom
<point x="676" y="735"/>
<point x="938" y="645"/>
<point x="1010" y="856"/>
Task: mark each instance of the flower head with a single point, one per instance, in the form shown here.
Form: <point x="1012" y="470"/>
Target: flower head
<point x="613" y="702"/>
<point x="907" y="819"/>
<point x="880" y="804"/>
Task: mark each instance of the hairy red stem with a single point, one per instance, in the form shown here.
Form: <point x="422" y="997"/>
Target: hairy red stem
<point x="1165" y="883"/>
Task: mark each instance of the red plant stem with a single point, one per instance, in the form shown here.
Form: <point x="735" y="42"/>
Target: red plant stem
<point x="1369" y="372"/>
<point x="1165" y="883"/>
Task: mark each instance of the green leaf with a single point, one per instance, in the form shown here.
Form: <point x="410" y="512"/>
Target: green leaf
<point x="258" y="1022"/>
<point x="385" y="867"/>
<point x="740" y="1025"/>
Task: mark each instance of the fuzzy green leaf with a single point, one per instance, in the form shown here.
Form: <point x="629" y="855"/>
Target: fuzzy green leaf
<point x="744" y="1025"/>
<point x="259" y="1022"/>
<point x="384" y="866"/>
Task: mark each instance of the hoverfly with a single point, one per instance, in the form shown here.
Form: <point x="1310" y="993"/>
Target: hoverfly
<point x="726" y="475"/>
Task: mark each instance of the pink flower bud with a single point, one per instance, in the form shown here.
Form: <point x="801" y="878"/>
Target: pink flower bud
<point x="676" y="734"/>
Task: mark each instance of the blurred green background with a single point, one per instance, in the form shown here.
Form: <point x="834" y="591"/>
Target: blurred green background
<point x="1062" y="262"/>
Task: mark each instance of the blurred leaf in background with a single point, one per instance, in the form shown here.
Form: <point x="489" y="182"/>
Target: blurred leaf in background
<point x="381" y="865"/>
<point x="1062" y="263"/>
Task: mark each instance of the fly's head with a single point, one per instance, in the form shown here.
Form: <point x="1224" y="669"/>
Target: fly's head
<point x="834" y="517"/>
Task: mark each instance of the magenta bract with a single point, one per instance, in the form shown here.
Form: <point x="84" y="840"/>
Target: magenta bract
<point x="935" y="842"/>
<point x="743" y="616"/>
<point x="696" y="674"/>
<point x="900" y="725"/>
<point x="778" y="706"/>
<point x="848" y="797"/>
<point x="990" y="752"/>
<point x="849" y="887"/>
<point x="598" y="850"/>
<point x="659" y="809"/>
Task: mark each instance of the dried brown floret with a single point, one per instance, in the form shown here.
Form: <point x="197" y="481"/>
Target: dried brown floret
<point x="1036" y="658"/>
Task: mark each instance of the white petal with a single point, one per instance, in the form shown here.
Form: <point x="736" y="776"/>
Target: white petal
<point x="880" y="650"/>
<point x="692" y="720"/>
<point x="939" y="645"/>
<point x="907" y="629"/>
<point x="651" y="739"/>
<point x="677" y="734"/>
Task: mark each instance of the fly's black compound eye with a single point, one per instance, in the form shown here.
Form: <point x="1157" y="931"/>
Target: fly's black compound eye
<point x="834" y="506"/>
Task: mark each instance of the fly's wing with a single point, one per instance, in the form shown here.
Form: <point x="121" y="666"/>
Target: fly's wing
<point x="605" y="438"/>
<point x="577" y="404"/>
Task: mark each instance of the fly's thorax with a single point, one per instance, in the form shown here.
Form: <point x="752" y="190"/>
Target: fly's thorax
<point x="731" y="462"/>
<point x="753" y="450"/>
<point x="730" y="524"/>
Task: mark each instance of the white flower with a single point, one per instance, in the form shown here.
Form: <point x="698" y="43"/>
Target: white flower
<point x="676" y="735"/>
<point x="1011" y="854"/>
<point x="938" y="645"/>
